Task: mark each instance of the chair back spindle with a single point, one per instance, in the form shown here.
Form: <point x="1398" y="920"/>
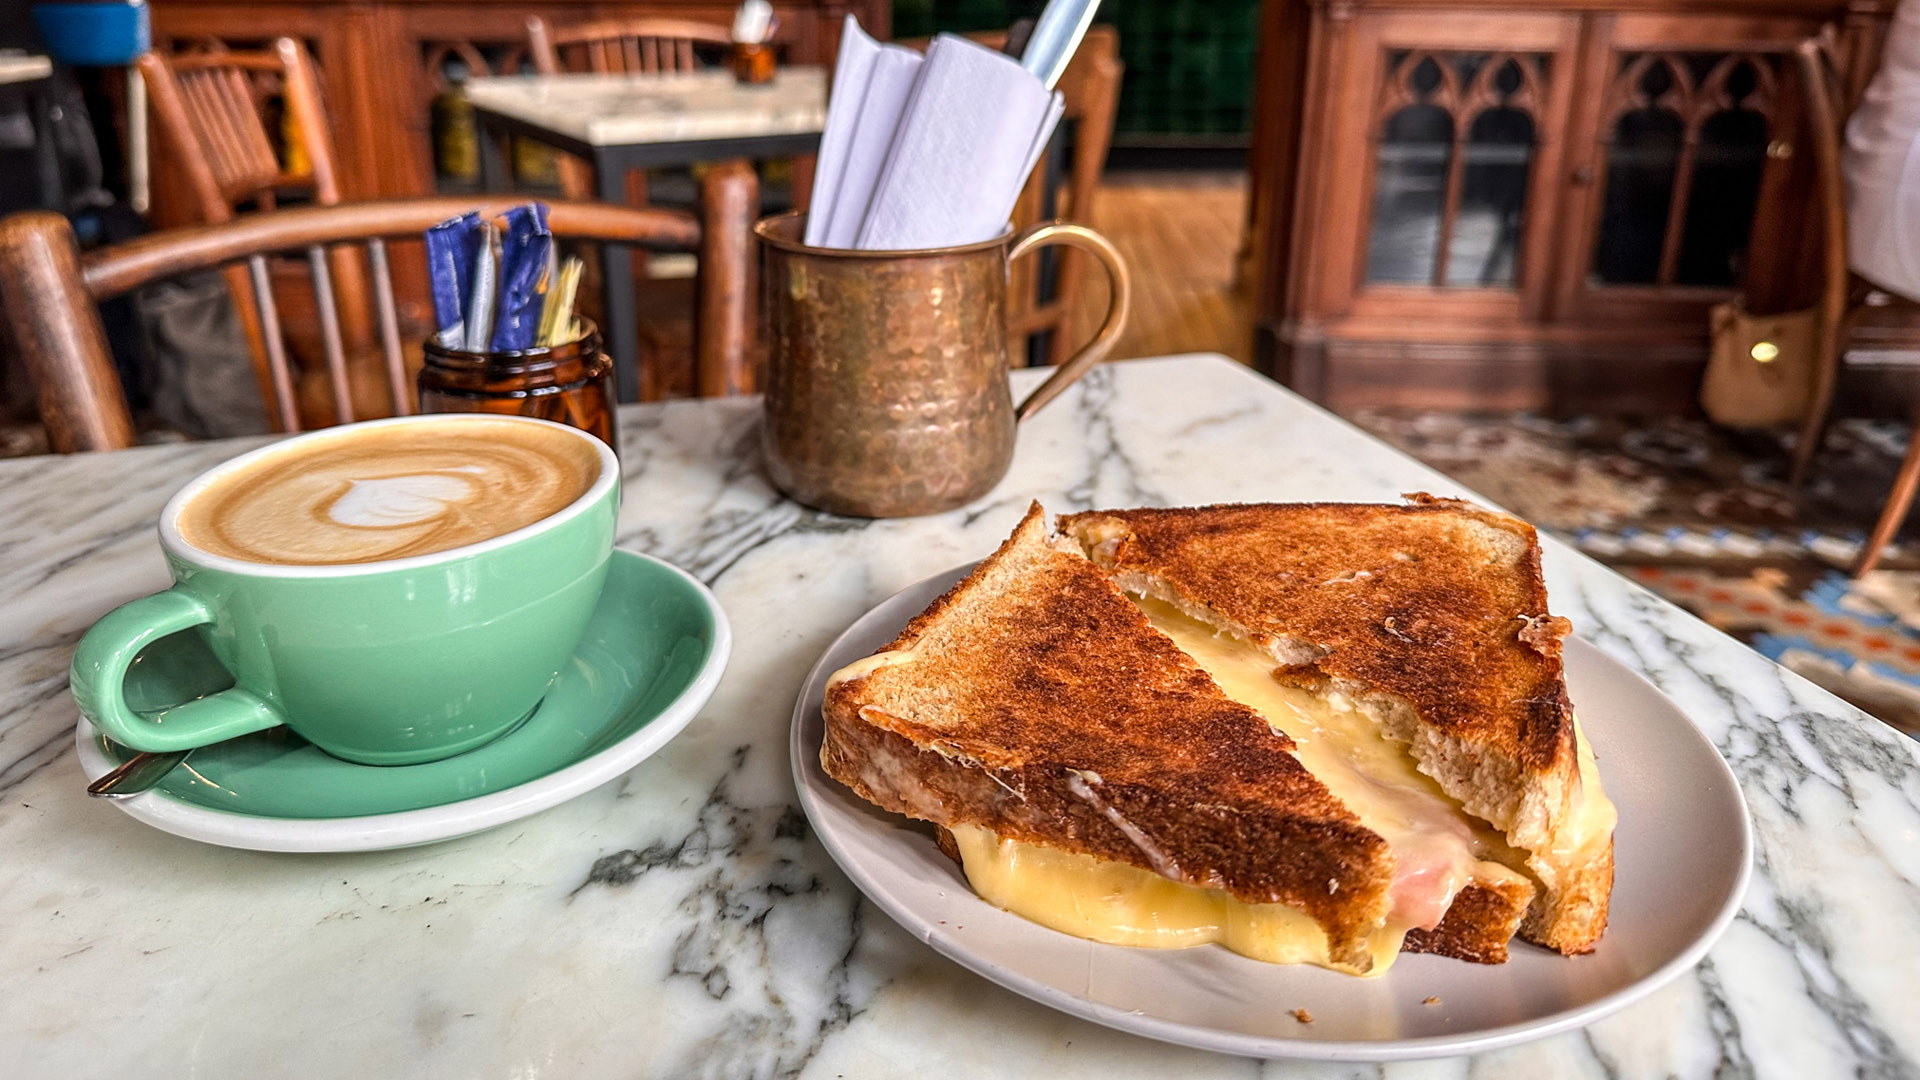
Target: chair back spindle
<point x="398" y="388"/>
<point x="275" y="343"/>
<point x="336" y="353"/>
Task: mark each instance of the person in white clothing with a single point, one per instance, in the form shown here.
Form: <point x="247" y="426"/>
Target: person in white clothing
<point x="1881" y="164"/>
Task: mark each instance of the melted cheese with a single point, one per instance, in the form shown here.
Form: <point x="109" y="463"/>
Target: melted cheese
<point x="1593" y="816"/>
<point x="1122" y="904"/>
<point x="867" y="665"/>
<point x="1437" y="848"/>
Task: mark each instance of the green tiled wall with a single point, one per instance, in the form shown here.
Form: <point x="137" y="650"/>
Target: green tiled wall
<point x="1189" y="62"/>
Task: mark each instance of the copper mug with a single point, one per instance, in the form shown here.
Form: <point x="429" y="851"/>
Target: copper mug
<point x="886" y="390"/>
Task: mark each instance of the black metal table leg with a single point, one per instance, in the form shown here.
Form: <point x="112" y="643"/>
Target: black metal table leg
<point x="53" y="194"/>
<point x="616" y="271"/>
<point x="493" y="163"/>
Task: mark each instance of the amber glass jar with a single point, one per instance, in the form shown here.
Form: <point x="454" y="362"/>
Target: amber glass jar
<point x="570" y="384"/>
<point x="752" y="62"/>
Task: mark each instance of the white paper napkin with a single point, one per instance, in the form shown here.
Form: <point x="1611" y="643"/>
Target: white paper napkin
<point x="975" y="124"/>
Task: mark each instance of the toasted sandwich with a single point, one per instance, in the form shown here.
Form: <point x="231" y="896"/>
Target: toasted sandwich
<point x="1430" y="621"/>
<point x="1148" y="770"/>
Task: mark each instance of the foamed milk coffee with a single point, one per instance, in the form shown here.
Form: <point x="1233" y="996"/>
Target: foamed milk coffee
<point x="388" y="492"/>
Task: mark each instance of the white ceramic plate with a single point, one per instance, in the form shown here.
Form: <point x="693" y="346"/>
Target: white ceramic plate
<point x="1682" y="856"/>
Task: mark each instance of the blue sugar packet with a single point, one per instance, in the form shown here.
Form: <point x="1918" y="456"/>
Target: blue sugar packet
<point x="451" y="248"/>
<point x="524" y="246"/>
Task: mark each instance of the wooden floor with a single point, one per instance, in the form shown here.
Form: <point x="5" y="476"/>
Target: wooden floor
<point x="1179" y="232"/>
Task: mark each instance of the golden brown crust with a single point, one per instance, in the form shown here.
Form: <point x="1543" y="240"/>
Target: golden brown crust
<point x="1436" y="612"/>
<point x="1482" y="919"/>
<point x="1040" y="703"/>
<point x="1413" y="600"/>
<point x="1577" y="915"/>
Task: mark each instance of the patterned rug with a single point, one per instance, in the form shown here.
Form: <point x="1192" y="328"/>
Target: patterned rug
<point x="1703" y="517"/>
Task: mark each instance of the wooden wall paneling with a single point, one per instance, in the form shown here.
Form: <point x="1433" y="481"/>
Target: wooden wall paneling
<point x="1348" y="182"/>
<point x="1289" y="337"/>
<point x="1273" y="162"/>
<point x="1546" y="188"/>
<point x="1582" y="162"/>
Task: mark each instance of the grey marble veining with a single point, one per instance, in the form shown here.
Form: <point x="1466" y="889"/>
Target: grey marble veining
<point x="681" y="921"/>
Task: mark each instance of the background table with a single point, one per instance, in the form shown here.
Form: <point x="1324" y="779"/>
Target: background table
<point x="682" y="923"/>
<point x="621" y="122"/>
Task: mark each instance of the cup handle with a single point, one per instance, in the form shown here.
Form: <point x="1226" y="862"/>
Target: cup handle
<point x="1079" y="236"/>
<point x="99" y="679"/>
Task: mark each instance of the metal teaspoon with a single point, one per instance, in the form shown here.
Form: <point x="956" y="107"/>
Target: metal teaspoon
<point x="136" y="774"/>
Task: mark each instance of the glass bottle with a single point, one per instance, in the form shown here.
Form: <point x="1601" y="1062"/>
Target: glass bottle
<point x="570" y="384"/>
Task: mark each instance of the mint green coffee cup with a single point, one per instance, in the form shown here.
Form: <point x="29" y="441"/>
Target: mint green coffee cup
<point x="401" y="657"/>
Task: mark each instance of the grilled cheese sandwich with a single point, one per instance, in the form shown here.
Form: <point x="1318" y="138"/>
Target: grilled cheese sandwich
<point x="1018" y="712"/>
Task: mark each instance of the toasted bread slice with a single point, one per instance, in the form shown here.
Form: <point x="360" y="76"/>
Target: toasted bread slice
<point x="1432" y="618"/>
<point x="1035" y="701"/>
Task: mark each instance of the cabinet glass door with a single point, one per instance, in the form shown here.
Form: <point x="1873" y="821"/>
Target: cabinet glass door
<point x="1456" y="135"/>
<point x="1685" y="151"/>
<point x="1433" y="188"/>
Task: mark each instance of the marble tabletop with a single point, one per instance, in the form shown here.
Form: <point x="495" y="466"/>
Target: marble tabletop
<point x="680" y="922"/>
<point x="620" y="110"/>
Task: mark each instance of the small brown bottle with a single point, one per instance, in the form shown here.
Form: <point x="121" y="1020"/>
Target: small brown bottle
<point x="569" y="384"/>
<point x="752" y="62"/>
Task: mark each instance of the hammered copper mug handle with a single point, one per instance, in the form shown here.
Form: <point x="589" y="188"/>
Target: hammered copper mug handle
<point x="1117" y="305"/>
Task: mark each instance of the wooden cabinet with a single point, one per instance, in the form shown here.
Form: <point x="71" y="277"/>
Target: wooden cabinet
<point x="1458" y="204"/>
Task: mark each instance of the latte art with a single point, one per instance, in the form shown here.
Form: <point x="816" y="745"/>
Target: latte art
<point x="390" y="492"/>
<point x="388" y="501"/>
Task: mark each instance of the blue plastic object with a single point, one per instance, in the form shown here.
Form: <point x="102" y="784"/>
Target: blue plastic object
<point x="95" y="35"/>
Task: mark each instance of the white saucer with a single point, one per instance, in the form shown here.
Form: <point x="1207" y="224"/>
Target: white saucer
<point x="1682" y="852"/>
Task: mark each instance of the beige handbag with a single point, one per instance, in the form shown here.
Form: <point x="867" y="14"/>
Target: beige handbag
<point x="1761" y="371"/>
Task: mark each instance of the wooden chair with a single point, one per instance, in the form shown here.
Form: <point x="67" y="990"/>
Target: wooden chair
<point x="1090" y="89"/>
<point x="208" y="106"/>
<point x="49" y="291"/>
<point x="210" y="109"/>
<point x="1844" y="295"/>
<point x="1090" y="93"/>
<point x="618" y="47"/>
<point x="623" y="46"/>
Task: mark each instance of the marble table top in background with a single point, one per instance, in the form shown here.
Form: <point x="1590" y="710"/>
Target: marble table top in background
<point x="620" y="110"/>
<point x="22" y="67"/>
<point x="681" y="923"/>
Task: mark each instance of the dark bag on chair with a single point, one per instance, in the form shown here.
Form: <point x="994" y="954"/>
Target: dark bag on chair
<point x="1762" y="367"/>
<point x="202" y="380"/>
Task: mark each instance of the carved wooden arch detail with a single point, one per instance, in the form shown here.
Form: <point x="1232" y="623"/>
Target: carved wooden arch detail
<point x="1463" y="103"/>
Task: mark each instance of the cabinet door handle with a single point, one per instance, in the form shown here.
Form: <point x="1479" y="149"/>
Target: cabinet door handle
<point x="1779" y="149"/>
<point x="1583" y="175"/>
